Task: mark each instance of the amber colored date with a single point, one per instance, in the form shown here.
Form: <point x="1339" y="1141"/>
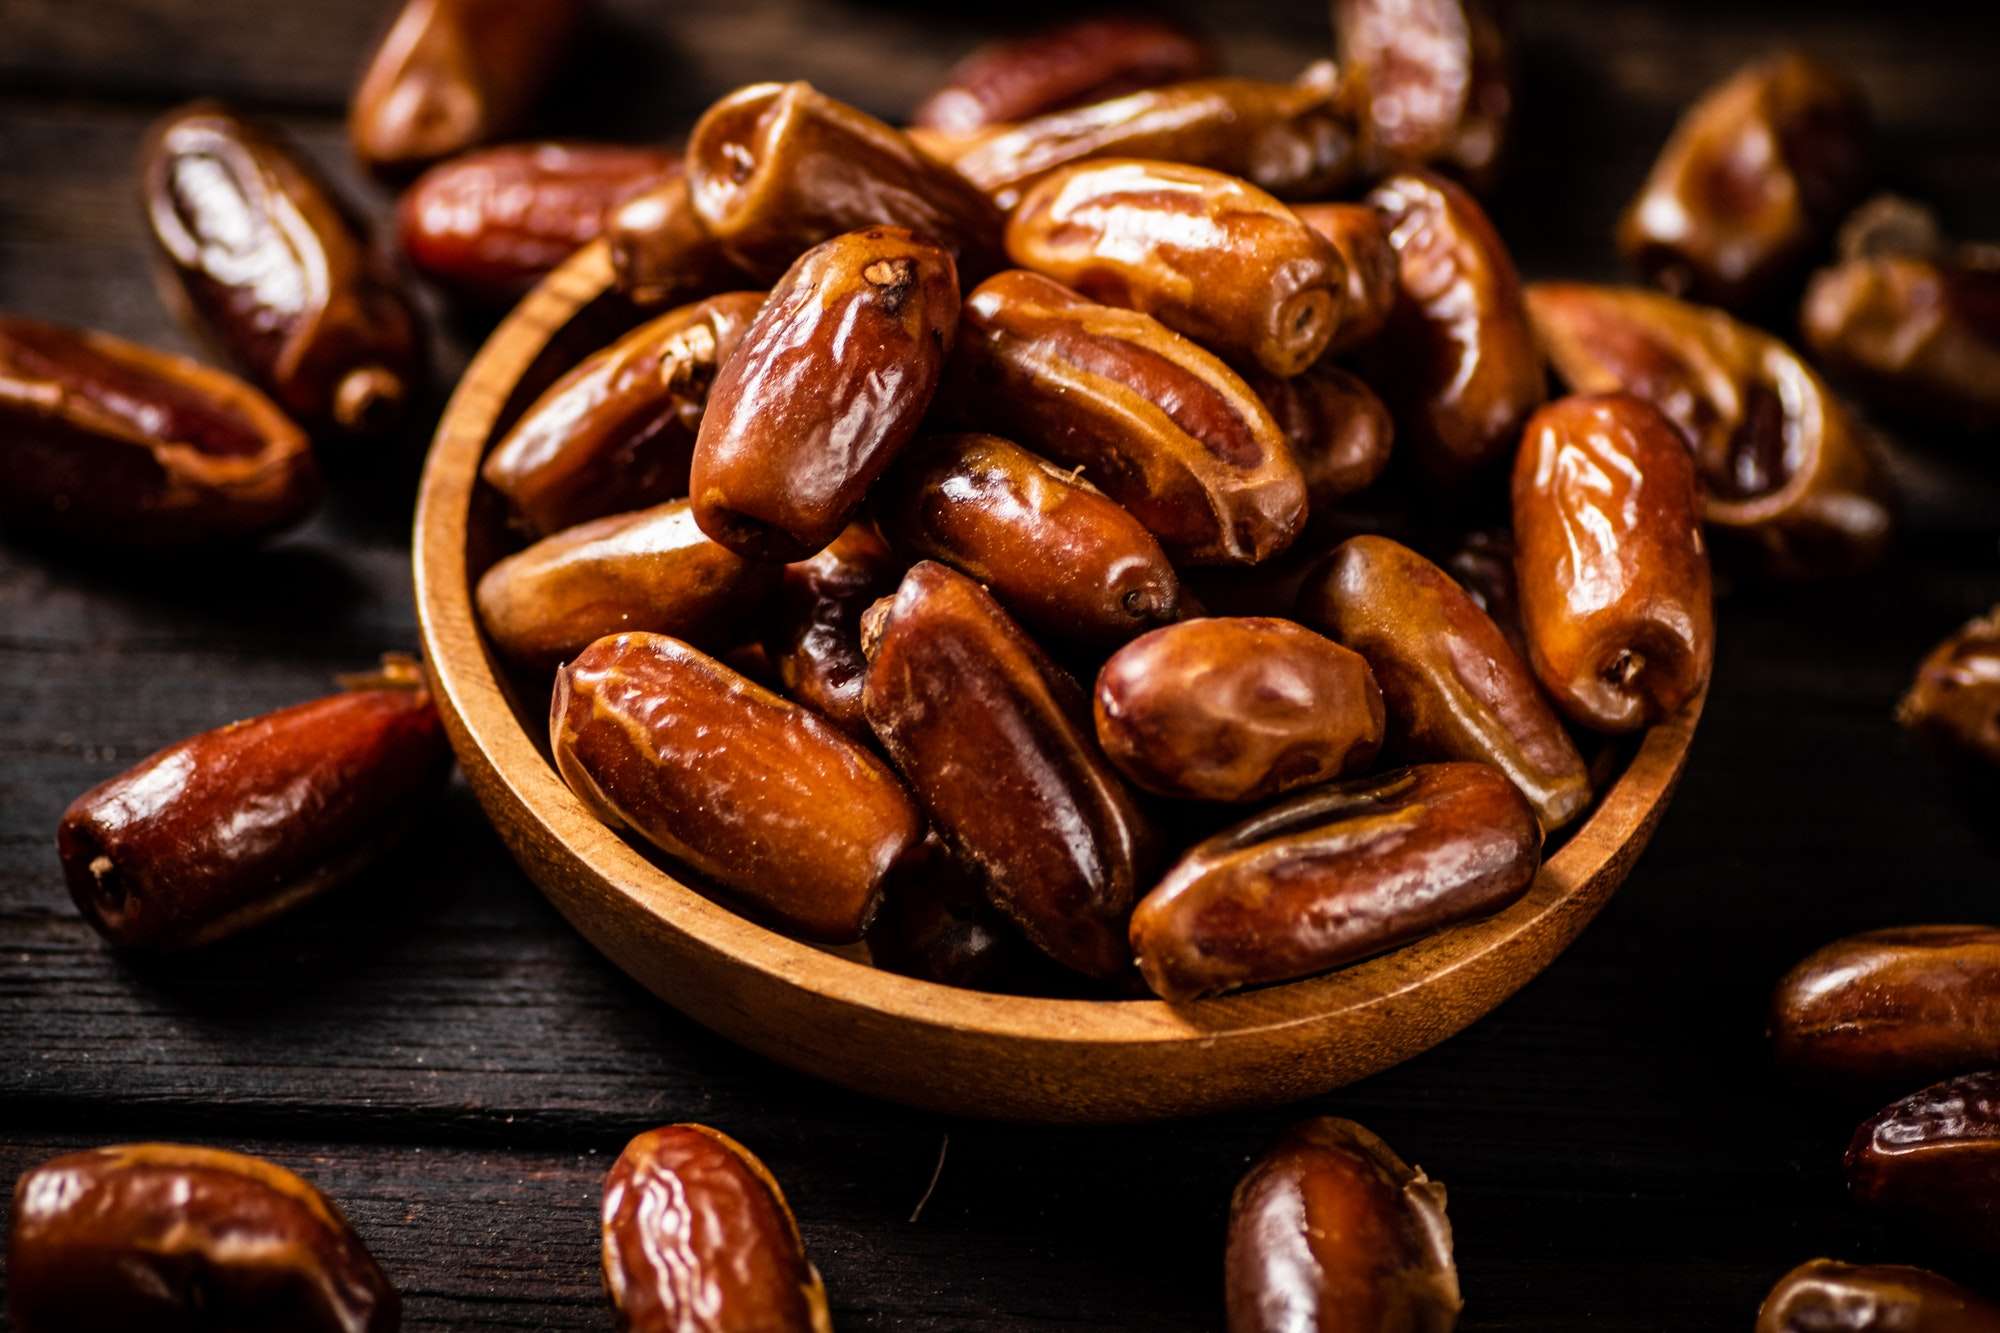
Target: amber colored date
<point x="1053" y="548"/>
<point x="1911" y="1003"/>
<point x="1340" y="432"/>
<point x="1934" y="1157"/>
<point x="937" y="924"/>
<point x="105" y="441"/>
<point x="491" y="224"/>
<point x="1427" y="83"/>
<point x="1955" y="697"/>
<point x="617" y="433"/>
<point x="1823" y="1296"/>
<point x="1356" y="232"/>
<point x="996" y="743"/>
<point x="259" y="252"/>
<point x="697" y="1238"/>
<point x="661" y="253"/>
<point x="240" y="824"/>
<point x="1164" y="427"/>
<point x="764" y="797"/>
<point x="454" y="74"/>
<point x="177" y="1239"/>
<point x="815" y="641"/>
<point x="1083" y="61"/>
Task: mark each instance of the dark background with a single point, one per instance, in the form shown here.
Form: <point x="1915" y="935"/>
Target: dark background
<point x="446" y="1059"/>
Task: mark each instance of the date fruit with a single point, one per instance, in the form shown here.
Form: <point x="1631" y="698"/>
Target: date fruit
<point x="1356" y="232"/>
<point x="1086" y="60"/>
<point x="238" y="825"/>
<point x="1823" y="1296"/>
<point x="698" y="1238"/>
<point x="815" y="646"/>
<point x="1427" y="84"/>
<point x="937" y="924"/>
<point x="1909" y="1003"/>
<point x="1934" y="1157"/>
<point x="1955" y="697"/>
<point x="1482" y="561"/>
<point x="105" y="441"/>
<point x="660" y="252"/>
<point x="1340" y="432"/>
<point x="764" y="797"/>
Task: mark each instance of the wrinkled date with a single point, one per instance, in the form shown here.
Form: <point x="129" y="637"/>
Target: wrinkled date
<point x="996" y="742"/>
<point x="937" y="924"/>
<point x="776" y="168"/>
<point x="651" y="570"/>
<point x="1613" y="577"/>
<point x="661" y="253"/>
<point x="262" y="255"/>
<point x="1453" y="687"/>
<point x="617" y="432"/>
<point x="1166" y="428"/>
<point x="107" y="441"/>
<point x="1754" y="177"/>
<point x="1087" y="60"/>
<point x="1909" y="1003"/>
<point x="491" y="224"/>
<point x="237" y="825"/>
<point x="1336" y="874"/>
<point x="1784" y="468"/>
<point x="453" y="74"/>
<point x="1340" y="432"/>
<point x="176" y="1239"/>
<point x="763" y="796"/>
<point x="1369" y="261"/>
<point x="1934" y="1156"/>
<point x="1457" y="362"/>
<point x="815" y="645"/>
<point x="1204" y="253"/>
<point x="1236" y="708"/>
<point x="1058" y="553"/>
<point x="829" y="381"/>
<point x="1331" y="1230"/>
<point x="1427" y="83"/>
<point x="1823" y="1296"/>
<point x="1956" y="695"/>
<point x="698" y="1238"/>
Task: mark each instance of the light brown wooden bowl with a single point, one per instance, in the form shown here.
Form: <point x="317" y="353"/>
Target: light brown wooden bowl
<point x="912" y="1041"/>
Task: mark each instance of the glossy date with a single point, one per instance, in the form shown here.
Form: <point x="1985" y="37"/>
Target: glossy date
<point x="1824" y="1296"/>
<point x="1934" y="1158"/>
<point x="1910" y="1003"/>
<point x="1083" y="61"/>
<point x="1955" y="698"/>
<point x="1427" y="83"/>
<point x="1357" y="233"/>
<point x="1340" y="432"/>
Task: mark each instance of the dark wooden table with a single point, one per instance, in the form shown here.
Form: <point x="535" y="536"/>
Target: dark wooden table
<point x="445" y="1058"/>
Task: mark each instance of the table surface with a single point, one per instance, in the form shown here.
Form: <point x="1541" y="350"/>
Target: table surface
<point x="441" y="1054"/>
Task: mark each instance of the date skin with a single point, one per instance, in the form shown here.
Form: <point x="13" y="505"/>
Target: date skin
<point x="1163" y="427"/>
<point x="774" y="169"/>
<point x="828" y="383"/>
<point x="1356" y="232"/>
<point x="651" y="570"/>
<point x="107" y="442"/>
<point x="996" y="743"/>
<point x="1823" y="1296"/>
<point x="1452" y="686"/>
<point x="1058" y="553"/>
<point x="177" y="1239"/>
<point x="1955" y="698"/>
<point x="1340" y="432"/>
<point x="1336" y="874"/>
<point x="1332" y="1232"/>
<point x="1427" y="83"/>
<point x="256" y="250"/>
<point x="1934" y="1157"/>
<point x="1482" y="562"/>
<point x="1236" y="708"/>
<point x="1910" y="1003"/>
<point x="454" y="74"/>
<point x="762" y="796"/>
<point x="1611" y="570"/>
<point x="1083" y="61"/>
<point x="1919" y="335"/>
<point x="491" y="224"/>
<point x="1457" y="363"/>
<point x="617" y="433"/>
<point x="660" y="252"/>
<point x="1206" y="254"/>
<point x="698" y="1238"/>
<point x="1785" y="470"/>
<point x="815" y="645"/>
<point x="1752" y="180"/>
<point x="937" y="924"/>
<point x="241" y="824"/>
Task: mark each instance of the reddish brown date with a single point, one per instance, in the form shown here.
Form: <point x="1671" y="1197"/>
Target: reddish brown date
<point x="828" y="383"/>
<point x="1457" y="362"/>
<point x="937" y="924"/>
<point x="1453" y="688"/>
<point x="996" y="742"/>
<point x="776" y="168"/>
<point x="238" y="825"/>
<point x="1334" y="875"/>
<point x="651" y="570"/>
<point x="661" y="253"/>
<point x="1340" y="432"/>
<point x="1427" y="82"/>
<point x="105" y="441"/>
<point x="815" y="645"/>
<point x="176" y="1239"/>
<point x="1909" y="1003"/>
<point x="1955" y="697"/>
<point x="698" y="1238"/>
<point x="617" y="433"/>
<point x="454" y="74"/>
<point x="1356" y="232"/>
<point x="1165" y="428"/>
<point x="1206" y="254"/>
<point x="1753" y="178"/>
<point x="1059" y="554"/>
<point x="491" y="224"/>
<point x="1236" y="708"/>
<point x="1482" y="562"/>
<point x="1823" y="1296"/>
<point x="763" y="796"/>
<point x="1332" y="1232"/>
<point x="1785" y="470"/>
<point x="1613" y="577"/>
<point x="257" y="250"/>
<point x="1934" y="1157"/>
<point x="1083" y="61"/>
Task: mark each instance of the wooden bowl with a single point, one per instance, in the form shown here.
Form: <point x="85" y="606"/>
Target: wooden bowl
<point x="912" y="1041"/>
